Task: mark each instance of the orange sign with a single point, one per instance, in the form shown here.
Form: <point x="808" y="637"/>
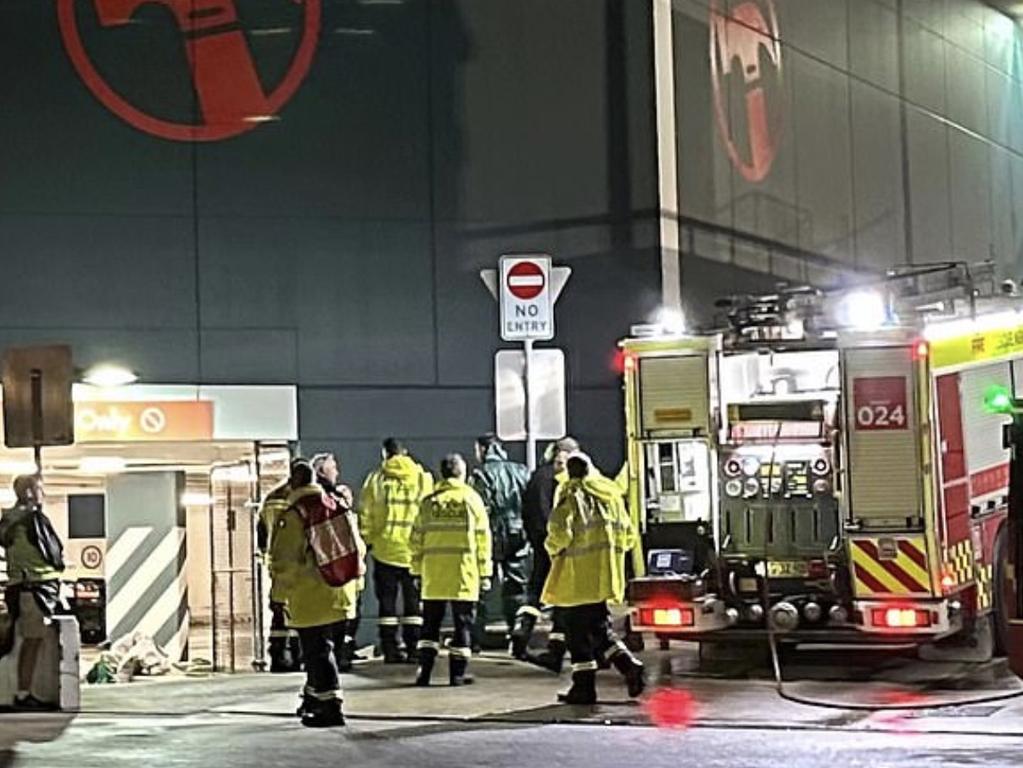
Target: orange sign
<point x="132" y="422"/>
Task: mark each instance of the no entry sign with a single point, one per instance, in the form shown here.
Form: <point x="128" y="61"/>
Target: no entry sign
<point x="526" y="305"/>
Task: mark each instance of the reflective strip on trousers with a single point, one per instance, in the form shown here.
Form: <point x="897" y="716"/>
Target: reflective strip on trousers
<point x="387" y="621"/>
<point x="411" y="621"/>
<point x="463" y="653"/>
<point x="428" y="645"/>
<point x="556" y="637"/>
<point x="334" y="695"/>
<point x="585" y="666"/>
<point x="617" y="648"/>
<point x="528" y="610"/>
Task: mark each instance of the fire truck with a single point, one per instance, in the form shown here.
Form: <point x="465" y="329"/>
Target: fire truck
<point x="824" y="466"/>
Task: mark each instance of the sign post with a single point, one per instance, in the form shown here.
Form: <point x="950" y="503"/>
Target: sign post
<point x="38" y="410"/>
<point x="526" y="287"/>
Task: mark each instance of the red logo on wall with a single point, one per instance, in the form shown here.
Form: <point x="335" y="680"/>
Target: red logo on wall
<point x="231" y="98"/>
<point x="745" y="45"/>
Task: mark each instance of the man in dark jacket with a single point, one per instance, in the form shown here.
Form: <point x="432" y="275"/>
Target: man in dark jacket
<point x="33" y="590"/>
<point x="501" y="483"/>
<point x="537" y="503"/>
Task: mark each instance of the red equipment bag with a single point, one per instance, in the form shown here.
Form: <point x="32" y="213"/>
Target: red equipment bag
<point x="334" y="538"/>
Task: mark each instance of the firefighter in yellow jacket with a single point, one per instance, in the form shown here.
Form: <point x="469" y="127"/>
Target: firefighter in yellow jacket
<point x="284" y="651"/>
<point x="388" y="504"/>
<point x="451" y="554"/>
<point x="588" y="536"/>
<point x="314" y="608"/>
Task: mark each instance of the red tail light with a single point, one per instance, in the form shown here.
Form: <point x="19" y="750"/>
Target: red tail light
<point x="900" y="618"/>
<point x="666" y="617"/>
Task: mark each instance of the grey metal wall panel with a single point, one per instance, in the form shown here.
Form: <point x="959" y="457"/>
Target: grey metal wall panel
<point x="817" y="28"/>
<point x="873" y="43"/>
<point x="1003" y="215"/>
<point x="264" y="356"/>
<point x="928" y="179"/>
<point x="967" y="90"/>
<point x="964" y="26"/>
<point x="97" y="271"/>
<point x="924" y="63"/>
<point x="821" y="125"/>
<point x="970" y="186"/>
<point x="877" y="178"/>
<point x="928" y="13"/>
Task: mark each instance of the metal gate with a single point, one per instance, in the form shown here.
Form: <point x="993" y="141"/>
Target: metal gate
<point x="239" y="582"/>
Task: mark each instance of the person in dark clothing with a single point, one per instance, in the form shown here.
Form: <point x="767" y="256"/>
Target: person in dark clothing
<point x="537" y="503"/>
<point x="501" y="482"/>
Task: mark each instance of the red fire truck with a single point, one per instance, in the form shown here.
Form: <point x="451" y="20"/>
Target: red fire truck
<point x="825" y="466"/>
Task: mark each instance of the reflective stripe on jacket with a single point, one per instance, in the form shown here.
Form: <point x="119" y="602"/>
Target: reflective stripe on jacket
<point x="309" y="600"/>
<point x="388" y="505"/>
<point x="450" y="543"/>
<point x="588" y="535"/>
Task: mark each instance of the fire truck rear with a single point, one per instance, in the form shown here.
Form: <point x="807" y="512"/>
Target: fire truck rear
<point x="824" y="466"/>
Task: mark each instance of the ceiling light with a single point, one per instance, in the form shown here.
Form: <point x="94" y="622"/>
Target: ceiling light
<point x="109" y="376"/>
<point x="18" y="468"/>
<point x="102" y="465"/>
<point x="196" y="499"/>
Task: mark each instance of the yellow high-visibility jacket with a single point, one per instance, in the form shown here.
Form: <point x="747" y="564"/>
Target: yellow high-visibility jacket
<point x="388" y="505"/>
<point x="309" y="600"/>
<point x="587" y="537"/>
<point x="451" y="548"/>
<point x="274" y="505"/>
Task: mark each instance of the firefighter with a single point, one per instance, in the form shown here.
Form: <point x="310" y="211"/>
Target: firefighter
<point x="328" y="476"/>
<point x="388" y="504"/>
<point x="501" y="482"/>
<point x="451" y="555"/>
<point x="588" y="535"/>
<point x="314" y="607"/>
<point x="285" y="653"/>
<point x="537" y="503"/>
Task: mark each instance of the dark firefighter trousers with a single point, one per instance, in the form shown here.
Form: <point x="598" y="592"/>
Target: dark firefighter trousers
<point x="388" y="580"/>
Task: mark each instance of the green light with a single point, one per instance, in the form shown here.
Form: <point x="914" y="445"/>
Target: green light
<point x="997" y="400"/>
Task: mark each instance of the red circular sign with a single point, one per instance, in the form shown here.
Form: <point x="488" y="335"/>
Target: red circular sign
<point x="737" y="38"/>
<point x="232" y="99"/>
<point x="526" y="280"/>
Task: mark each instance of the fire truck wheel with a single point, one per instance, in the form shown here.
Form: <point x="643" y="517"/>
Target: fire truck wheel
<point x="1001" y="594"/>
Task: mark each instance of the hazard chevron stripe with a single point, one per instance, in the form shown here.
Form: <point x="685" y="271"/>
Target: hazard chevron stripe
<point x="906" y="574"/>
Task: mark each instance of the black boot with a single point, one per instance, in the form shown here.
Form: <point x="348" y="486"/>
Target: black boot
<point x="389" y="646"/>
<point x="410" y="634"/>
<point x="427" y="657"/>
<point x="583" y="690"/>
<point x="553" y="659"/>
<point x="459" y="666"/>
<point x="631" y="669"/>
<point x="521" y="632"/>
<point x="326" y="714"/>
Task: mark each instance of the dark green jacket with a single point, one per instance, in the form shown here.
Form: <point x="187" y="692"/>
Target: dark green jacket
<point x="501" y="483"/>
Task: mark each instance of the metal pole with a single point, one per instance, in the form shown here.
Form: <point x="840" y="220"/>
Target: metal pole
<point x="259" y="628"/>
<point x="213" y="576"/>
<point x="530" y="437"/>
<point x="37" y="420"/>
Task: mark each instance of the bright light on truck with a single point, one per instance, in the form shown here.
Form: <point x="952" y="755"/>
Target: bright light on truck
<point x="900" y="618"/>
<point x="666" y="617"/>
<point x="862" y="310"/>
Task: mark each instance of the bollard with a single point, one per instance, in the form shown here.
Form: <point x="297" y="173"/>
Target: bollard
<point x="57" y="677"/>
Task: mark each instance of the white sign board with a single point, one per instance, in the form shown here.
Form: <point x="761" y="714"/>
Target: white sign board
<point x="526" y="298"/>
<point x="546" y="390"/>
